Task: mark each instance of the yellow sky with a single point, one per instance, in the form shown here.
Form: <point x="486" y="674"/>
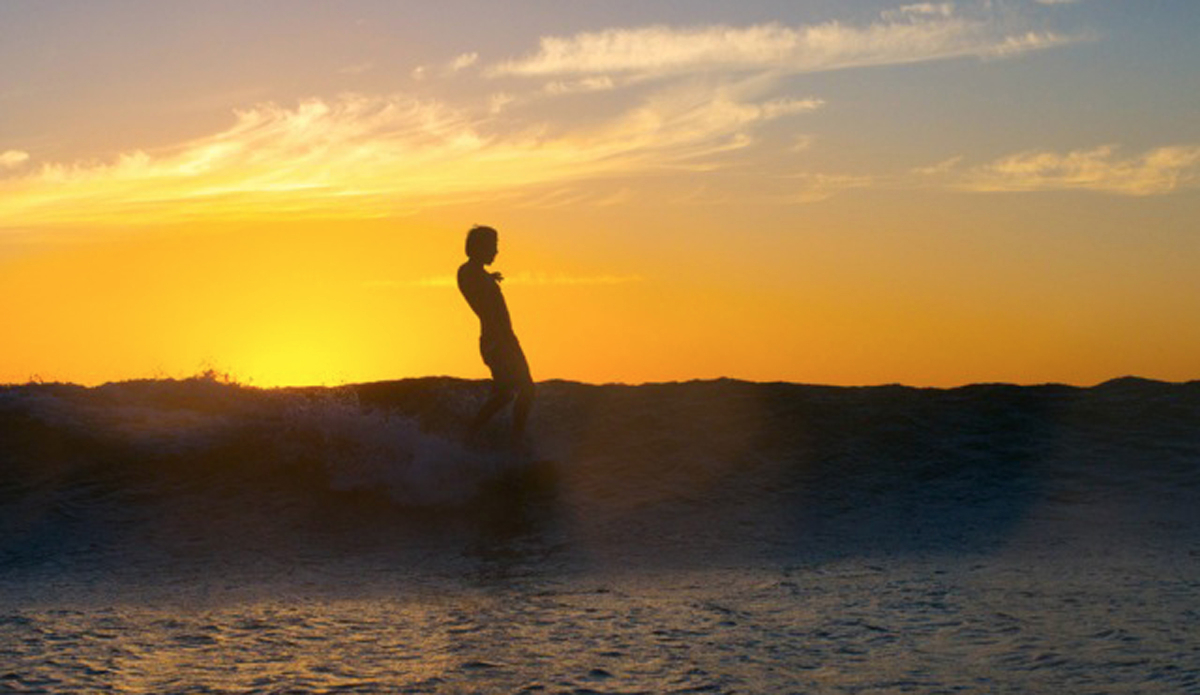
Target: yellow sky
<point x="931" y="194"/>
<point x="843" y="300"/>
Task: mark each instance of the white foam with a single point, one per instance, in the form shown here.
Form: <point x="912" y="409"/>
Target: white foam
<point x="366" y="449"/>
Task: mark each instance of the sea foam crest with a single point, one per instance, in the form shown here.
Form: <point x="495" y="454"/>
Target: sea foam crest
<point x="211" y="428"/>
<point x="364" y="449"/>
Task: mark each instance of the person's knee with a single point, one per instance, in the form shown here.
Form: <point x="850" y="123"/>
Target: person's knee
<point x="503" y="396"/>
<point x="526" y="392"/>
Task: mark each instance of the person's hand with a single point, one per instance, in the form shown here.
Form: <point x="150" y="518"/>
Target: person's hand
<point x="498" y="276"/>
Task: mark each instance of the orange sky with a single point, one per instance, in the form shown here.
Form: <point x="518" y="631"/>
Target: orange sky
<point x="833" y="195"/>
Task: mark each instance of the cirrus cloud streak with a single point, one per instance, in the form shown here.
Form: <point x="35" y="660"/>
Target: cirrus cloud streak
<point x="360" y="156"/>
<point x="1155" y="172"/>
<point x="656" y="51"/>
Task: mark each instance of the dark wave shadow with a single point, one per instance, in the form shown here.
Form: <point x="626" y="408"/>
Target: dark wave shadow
<point x="198" y="473"/>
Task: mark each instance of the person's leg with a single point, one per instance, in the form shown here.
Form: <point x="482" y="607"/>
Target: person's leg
<point x="510" y="377"/>
<point x="521" y="411"/>
<point x="497" y="400"/>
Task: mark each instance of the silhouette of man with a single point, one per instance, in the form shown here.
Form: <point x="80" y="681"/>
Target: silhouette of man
<point x="497" y="342"/>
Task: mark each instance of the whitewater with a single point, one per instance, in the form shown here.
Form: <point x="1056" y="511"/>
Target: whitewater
<point x="187" y="536"/>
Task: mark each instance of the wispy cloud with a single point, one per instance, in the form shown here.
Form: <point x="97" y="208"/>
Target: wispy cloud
<point x="601" y="83"/>
<point x="944" y="9"/>
<point x="814" y="187"/>
<point x="801" y="143"/>
<point x="499" y="101"/>
<point x="942" y="167"/>
<point x="361" y="156"/>
<point x="455" y="65"/>
<point x="1155" y="172"/>
<point x="463" y="61"/>
<point x="371" y="156"/>
<point x="915" y="33"/>
<point x="357" y="68"/>
<point x="1158" y="171"/>
<point x="11" y="159"/>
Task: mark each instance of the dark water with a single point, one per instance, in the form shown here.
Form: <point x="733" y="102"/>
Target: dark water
<point x="194" y="536"/>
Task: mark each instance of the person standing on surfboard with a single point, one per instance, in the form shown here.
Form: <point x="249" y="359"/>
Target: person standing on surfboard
<point x="498" y="343"/>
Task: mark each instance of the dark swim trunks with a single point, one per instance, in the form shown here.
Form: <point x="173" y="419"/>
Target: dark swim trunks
<point x="510" y="370"/>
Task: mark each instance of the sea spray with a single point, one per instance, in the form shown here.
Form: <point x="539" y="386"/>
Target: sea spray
<point x="377" y="449"/>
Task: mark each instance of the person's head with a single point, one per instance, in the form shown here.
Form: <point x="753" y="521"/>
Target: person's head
<point x="482" y="244"/>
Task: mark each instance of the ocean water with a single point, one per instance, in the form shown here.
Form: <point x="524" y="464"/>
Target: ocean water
<point x="721" y="536"/>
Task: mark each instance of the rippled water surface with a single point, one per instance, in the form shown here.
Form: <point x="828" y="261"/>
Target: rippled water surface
<point x="1038" y="624"/>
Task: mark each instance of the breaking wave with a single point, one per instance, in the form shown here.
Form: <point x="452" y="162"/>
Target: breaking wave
<point x="155" y="463"/>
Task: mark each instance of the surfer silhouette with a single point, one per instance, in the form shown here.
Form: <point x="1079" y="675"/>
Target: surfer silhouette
<point x="497" y="342"/>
